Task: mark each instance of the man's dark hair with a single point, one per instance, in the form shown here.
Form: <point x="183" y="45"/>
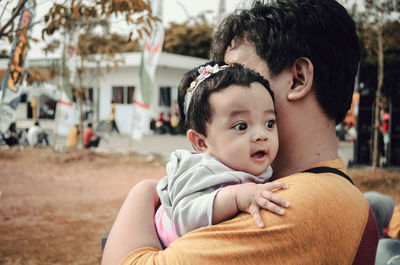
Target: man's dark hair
<point x="90" y="125"/>
<point x="286" y="30"/>
<point x="199" y="111"/>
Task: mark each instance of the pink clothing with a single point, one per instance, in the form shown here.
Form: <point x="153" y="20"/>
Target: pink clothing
<point x="164" y="227"/>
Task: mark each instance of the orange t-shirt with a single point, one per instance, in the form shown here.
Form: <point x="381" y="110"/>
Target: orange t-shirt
<point x="324" y="225"/>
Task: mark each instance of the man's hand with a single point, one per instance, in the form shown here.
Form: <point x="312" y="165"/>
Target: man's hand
<point x="251" y="197"/>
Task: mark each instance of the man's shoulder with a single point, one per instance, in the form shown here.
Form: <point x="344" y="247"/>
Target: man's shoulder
<point x="323" y="188"/>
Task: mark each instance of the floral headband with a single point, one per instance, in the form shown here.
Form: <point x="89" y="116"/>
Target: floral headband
<point x="205" y="72"/>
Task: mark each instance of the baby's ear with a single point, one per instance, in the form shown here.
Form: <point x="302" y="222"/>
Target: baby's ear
<point x="197" y="140"/>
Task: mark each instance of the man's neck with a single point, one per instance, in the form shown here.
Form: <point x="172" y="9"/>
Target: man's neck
<point x="313" y="143"/>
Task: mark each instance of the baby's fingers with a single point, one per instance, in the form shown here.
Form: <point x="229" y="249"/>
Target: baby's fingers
<point x="272" y="197"/>
<point x="255" y="212"/>
<point x="270" y="206"/>
<point x="275" y="185"/>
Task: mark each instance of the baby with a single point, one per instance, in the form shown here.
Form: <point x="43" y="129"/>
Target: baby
<point x="230" y="118"/>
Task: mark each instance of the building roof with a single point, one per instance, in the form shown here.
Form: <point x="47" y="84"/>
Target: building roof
<point x="126" y="60"/>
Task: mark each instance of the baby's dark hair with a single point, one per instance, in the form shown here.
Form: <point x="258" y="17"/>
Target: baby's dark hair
<point x="199" y="112"/>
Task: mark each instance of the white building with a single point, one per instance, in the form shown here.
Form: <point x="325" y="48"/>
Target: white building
<point x="118" y="84"/>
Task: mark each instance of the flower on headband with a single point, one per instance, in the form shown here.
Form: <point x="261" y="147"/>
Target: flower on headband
<point x="205" y="72"/>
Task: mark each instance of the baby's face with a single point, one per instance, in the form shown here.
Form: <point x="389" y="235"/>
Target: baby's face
<point x="243" y="133"/>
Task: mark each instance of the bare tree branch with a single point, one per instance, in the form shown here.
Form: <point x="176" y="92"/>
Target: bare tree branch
<point x="10" y="22"/>
<point x="4" y="9"/>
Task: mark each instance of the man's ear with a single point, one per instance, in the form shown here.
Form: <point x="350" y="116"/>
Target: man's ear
<point x="303" y="76"/>
<point x="197" y="140"/>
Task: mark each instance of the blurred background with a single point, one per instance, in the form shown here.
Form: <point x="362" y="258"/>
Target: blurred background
<point x="70" y="63"/>
<point x="117" y="64"/>
<point x="88" y="108"/>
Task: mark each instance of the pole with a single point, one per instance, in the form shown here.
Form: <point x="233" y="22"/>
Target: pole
<point x="375" y="152"/>
<point x="132" y="126"/>
<point x="55" y="134"/>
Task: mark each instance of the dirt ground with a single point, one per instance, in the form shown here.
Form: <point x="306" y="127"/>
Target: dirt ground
<point x="55" y="207"/>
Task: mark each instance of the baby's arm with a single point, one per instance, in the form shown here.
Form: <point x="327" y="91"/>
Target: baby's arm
<point x="248" y="197"/>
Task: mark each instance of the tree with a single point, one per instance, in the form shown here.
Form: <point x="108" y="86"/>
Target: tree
<point x="111" y="44"/>
<point x="7" y="29"/>
<point x="369" y="57"/>
<point x="377" y="14"/>
<point x="80" y="18"/>
<point x="16" y="27"/>
<point x="191" y="38"/>
<point x="76" y="20"/>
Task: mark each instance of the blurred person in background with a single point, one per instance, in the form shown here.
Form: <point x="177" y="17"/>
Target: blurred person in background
<point x="72" y="137"/>
<point x="90" y="139"/>
<point x="113" y="123"/>
<point x="36" y="135"/>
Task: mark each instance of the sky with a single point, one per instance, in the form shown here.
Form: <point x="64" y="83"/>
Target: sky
<point x="174" y="11"/>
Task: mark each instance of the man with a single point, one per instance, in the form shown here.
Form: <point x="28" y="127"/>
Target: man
<point x="12" y="135"/>
<point x="36" y="136"/>
<point x="309" y="51"/>
<point x="113" y="123"/>
<point x="89" y="137"/>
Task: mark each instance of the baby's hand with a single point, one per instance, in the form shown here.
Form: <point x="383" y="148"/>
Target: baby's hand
<point x="252" y="197"/>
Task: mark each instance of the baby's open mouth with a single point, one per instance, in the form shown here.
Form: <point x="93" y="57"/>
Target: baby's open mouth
<point x="258" y="154"/>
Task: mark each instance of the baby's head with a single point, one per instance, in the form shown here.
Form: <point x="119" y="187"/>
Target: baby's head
<point x="229" y="113"/>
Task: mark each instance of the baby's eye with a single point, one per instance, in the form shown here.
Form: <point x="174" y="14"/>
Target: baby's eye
<point x="269" y="124"/>
<point x="240" y="126"/>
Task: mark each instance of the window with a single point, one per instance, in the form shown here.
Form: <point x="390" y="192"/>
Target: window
<point x="47" y="107"/>
<point x="165" y="96"/>
<point x="118" y="94"/>
<point x="131" y="92"/>
<point x="89" y="94"/>
<point x="123" y="95"/>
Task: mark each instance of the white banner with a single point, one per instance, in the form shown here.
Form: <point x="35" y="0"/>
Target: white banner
<point x="141" y="117"/>
<point x="152" y="46"/>
<point x="221" y="11"/>
<point x="7" y="116"/>
<point x="67" y="115"/>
